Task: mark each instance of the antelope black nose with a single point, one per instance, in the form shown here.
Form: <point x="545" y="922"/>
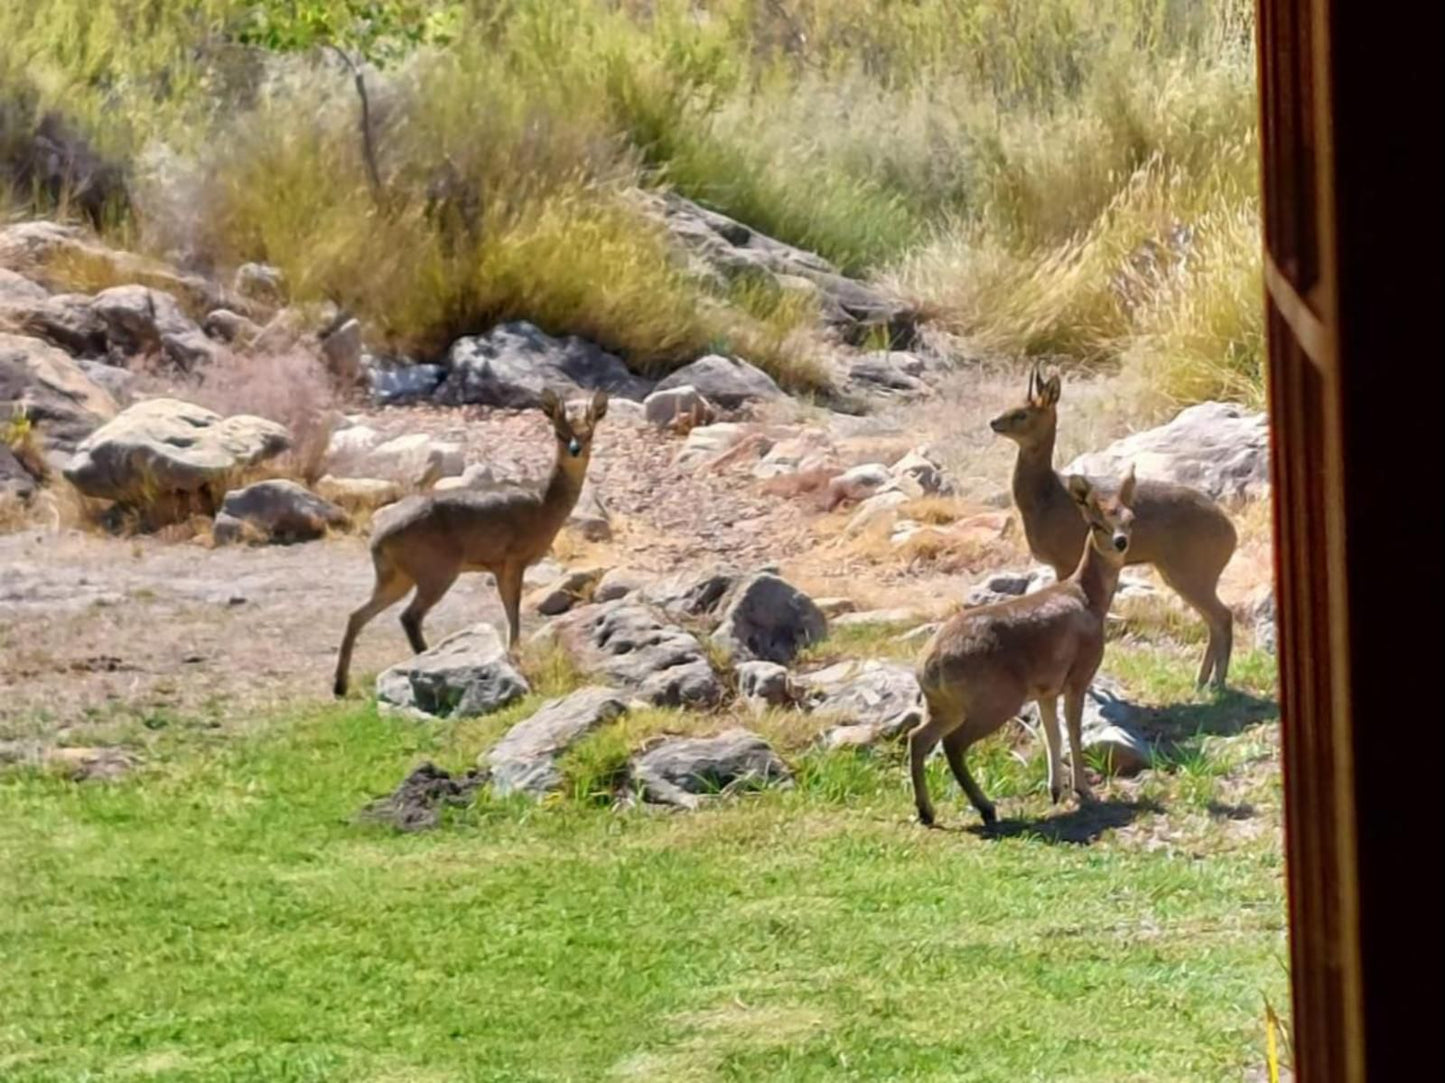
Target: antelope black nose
<point x="996" y="425"/>
<point x="1120" y="542"/>
<point x="574" y="446"/>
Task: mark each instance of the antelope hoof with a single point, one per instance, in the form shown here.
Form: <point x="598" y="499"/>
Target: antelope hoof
<point x="1085" y="795"/>
<point x="1056" y="794"/>
<point x="990" y="817"/>
<point x="339" y="688"/>
<point x="925" y="816"/>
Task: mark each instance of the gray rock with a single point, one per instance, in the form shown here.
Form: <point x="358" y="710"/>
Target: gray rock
<point x="589" y="517"/>
<point x="707" y="443"/>
<point x="1265" y="635"/>
<point x="525" y="760"/>
<point x="896" y="615"/>
<point x="466" y="674"/>
<point x="414" y="460"/>
<point x="721" y="249"/>
<point x="768" y="618"/>
<point x="922" y="471"/>
<point x="117" y="381"/>
<point x="1109" y="728"/>
<point x="635" y="648"/>
<point x="764" y="683"/>
<point x="341" y="350"/>
<point x="618" y="583"/>
<point x="162" y="447"/>
<point x="681" y="771"/>
<point x="510" y="365"/>
<point x="226" y="326"/>
<point x="16" y="482"/>
<point x="16" y="288"/>
<point x="728" y="381"/>
<point x="665" y="408"/>
<point x="690" y="593"/>
<point x="862" y="481"/>
<point x="397" y="384"/>
<point x="277" y="510"/>
<point x="142" y="320"/>
<point x="65" y="320"/>
<point x="1002" y="586"/>
<point x="49" y="389"/>
<point x="870" y="699"/>
<point x="565" y="592"/>
<point x="879" y="374"/>
<point x="1218" y="448"/>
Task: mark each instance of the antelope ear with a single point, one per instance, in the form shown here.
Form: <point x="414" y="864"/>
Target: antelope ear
<point x="1080" y="489"/>
<point x="1126" y="488"/>
<point x="1049" y="390"/>
<point x="551" y="404"/>
<point x="599" y="406"/>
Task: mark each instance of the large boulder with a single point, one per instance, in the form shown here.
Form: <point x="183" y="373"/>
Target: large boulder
<point x="140" y="320"/>
<point x="159" y="449"/>
<point x="466" y="674"/>
<point x="635" y="648"/>
<point x="769" y="619"/>
<point x="682" y="771"/>
<point x="413" y="460"/>
<point x="511" y="364"/>
<point x="277" y="510"/>
<point x="869" y="699"/>
<point x="728" y="381"/>
<point x="393" y="384"/>
<point x="49" y="389"/>
<point x="1219" y="448"/>
<point x="525" y="760"/>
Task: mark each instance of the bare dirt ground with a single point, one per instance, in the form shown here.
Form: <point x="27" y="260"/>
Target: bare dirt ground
<point x="100" y="634"/>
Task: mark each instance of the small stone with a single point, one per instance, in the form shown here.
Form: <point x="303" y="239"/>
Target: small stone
<point x="764" y="683"/>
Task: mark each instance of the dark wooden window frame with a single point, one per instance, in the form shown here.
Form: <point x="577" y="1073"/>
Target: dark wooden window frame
<point x="1350" y="99"/>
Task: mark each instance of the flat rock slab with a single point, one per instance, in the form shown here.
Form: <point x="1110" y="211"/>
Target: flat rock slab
<point x="682" y="771"/>
<point x="525" y="760"/>
<point x="635" y="647"/>
<point x="466" y="674"/>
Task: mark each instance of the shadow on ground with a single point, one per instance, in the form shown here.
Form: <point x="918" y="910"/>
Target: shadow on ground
<point x="1077" y="827"/>
<point x="1227" y="714"/>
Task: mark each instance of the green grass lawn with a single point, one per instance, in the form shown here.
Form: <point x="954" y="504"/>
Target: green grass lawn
<point x="221" y="915"/>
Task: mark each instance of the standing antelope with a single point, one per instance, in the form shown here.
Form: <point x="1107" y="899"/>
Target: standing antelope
<point x="984" y="664"/>
<point x="430" y="539"/>
<point x="1179" y="530"/>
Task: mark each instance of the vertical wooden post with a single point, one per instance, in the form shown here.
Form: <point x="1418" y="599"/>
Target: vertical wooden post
<point x="1350" y="141"/>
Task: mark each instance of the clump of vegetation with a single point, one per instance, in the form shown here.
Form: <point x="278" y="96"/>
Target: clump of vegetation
<point x="1069" y="177"/>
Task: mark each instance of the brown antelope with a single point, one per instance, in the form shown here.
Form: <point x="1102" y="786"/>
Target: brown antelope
<point x="985" y="664"/>
<point x="428" y="540"/>
<point x="1179" y="530"/>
